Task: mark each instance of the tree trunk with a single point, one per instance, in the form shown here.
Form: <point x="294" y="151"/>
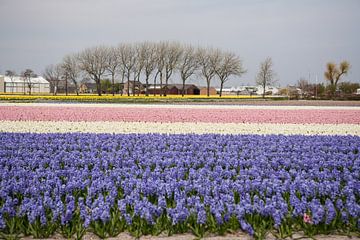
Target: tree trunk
<point x="263" y="95"/>
<point x="98" y="86"/>
<point x="122" y="82"/>
<point x="161" y="83"/>
<point x="208" y="87"/>
<point x="166" y="86"/>
<point x="147" y="85"/>
<point x="183" y="88"/>
<point x="128" y="86"/>
<point x="133" y="86"/>
<point x="76" y="88"/>
<point x="155" y="82"/>
<point x="139" y="88"/>
<point x="113" y="83"/>
<point x="221" y="87"/>
<point x="66" y="87"/>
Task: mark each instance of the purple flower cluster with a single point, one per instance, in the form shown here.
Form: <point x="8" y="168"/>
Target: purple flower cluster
<point x="181" y="176"/>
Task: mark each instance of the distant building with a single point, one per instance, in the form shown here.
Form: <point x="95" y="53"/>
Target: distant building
<point x="135" y="86"/>
<point x="269" y="90"/>
<point x="152" y="89"/>
<point x="189" y="89"/>
<point x="212" y="91"/>
<point x="19" y="84"/>
<point x="87" y="87"/>
<point x="225" y="91"/>
<point x="174" y="89"/>
<point x="249" y="90"/>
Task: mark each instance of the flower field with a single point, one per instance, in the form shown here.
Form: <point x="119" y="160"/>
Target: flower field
<point x="151" y="169"/>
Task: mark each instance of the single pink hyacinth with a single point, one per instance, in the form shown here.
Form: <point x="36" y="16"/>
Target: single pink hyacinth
<point x="307" y="218"/>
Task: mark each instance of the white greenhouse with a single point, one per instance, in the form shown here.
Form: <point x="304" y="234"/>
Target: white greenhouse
<point x="18" y="84"/>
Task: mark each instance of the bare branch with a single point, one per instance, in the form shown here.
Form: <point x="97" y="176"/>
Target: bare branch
<point x="53" y="74"/>
<point x="188" y="64"/>
<point x="71" y="70"/>
<point x="228" y="64"/>
<point x="94" y="62"/>
<point x="266" y="74"/>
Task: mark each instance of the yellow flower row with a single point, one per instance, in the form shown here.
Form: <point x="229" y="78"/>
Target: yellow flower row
<point x="93" y="97"/>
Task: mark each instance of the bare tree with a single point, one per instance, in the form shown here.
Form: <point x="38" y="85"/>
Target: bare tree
<point x="173" y="53"/>
<point x="304" y="85"/>
<point x="188" y="64"/>
<point x="11" y="74"/>
<point x="229" y="64"/>
<point x="71" y="69"/>
<point x="27" y="76"/>
<point x="334" y="73"/>
<point x="94" y="61"/>
<point x="149" y="62"/>
<point x="65" y="79"/>
<point x="128" y="60"/>
<point x="160" y="56"/>
<point x="208" y="60"/>
<point x="139" y="65"/>
<point x="122" y="72"/>
<point x="53" y="74"/>
<point x="266" y="74"/>
<point x="113" y="65"/>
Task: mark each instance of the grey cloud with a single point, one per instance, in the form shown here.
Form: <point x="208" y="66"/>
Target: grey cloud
<point x="300" y="36"/>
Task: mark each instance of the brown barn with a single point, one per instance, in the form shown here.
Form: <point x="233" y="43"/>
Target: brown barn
<point x="190" y="89"/>
<point x="212" y="91"/>
<point x="175" y="89"/>
<point x="154" y="90"/>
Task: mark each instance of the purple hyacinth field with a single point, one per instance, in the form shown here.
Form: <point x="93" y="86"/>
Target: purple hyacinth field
<point x="147" y="184"/>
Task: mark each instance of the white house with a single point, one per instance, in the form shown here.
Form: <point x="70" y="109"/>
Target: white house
<point x="18" y="84"/>
<point x="249" y="90"/>
<point x="271" y="90"/>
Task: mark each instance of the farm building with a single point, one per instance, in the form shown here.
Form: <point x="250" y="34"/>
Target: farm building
<point x="18" y="84"/>
<point x="175" y="89"/>
<point x="190" y="89"/>
<point x="87" y="87"/>
<point x="249" y="90"/>
<point x="152" y="89"/>
<point x="212" y="91"/>
<point x="133" y="85"/>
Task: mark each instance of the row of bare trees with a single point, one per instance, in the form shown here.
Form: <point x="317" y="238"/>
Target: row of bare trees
<point x="146" y="61"/>
<point x="67" y="71"/>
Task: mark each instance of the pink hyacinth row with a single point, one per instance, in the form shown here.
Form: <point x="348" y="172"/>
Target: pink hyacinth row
<point x="170" y="115"/>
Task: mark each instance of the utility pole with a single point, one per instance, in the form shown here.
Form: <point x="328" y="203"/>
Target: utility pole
<point x="316" y="82"/>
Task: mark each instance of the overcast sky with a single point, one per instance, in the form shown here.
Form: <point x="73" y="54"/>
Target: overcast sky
<point x="300" y="36"/>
